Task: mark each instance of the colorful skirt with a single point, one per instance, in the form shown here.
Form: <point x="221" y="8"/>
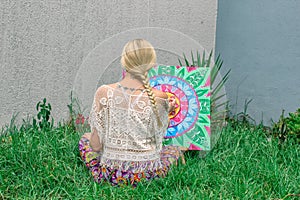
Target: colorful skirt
<point x="169" y="155"/>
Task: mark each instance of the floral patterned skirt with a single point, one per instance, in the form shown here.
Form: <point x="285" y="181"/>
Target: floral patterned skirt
<point x="169" y="155"/>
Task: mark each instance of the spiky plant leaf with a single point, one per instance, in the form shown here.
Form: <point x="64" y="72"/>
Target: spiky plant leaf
<point x="186" y="60"/>
<point x="180" y="64"/>
<point x="217" y="98"/>
<point x="209" y="59"/>
<point x="221" y="104"/>
<point x="220" y="85"/>
<point x="203" y="59"/>
<point x="219" y="113"/>
<point x="193" y="60"/>
<point x="198" y="59"/>
<point x="215" y="69"/>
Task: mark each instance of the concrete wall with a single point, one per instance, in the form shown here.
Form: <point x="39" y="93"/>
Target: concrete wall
<point x="260" y="42"/>
<point x="48" y="48"/>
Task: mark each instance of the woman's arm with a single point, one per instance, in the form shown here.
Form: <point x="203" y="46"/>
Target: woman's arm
<point x="97" y="120"/>
<point x="95" y="141"/>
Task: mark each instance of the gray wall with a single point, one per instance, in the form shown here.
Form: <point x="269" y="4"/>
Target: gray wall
<point x="260" y="42"/>
<point x="48" y="48"/>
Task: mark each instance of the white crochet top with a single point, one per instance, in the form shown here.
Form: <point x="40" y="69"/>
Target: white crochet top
<point x="127" y="128"/>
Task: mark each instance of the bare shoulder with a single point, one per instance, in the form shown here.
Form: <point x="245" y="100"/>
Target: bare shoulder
<point x="113" y="85"/>
<point x="160" y="94"/>
<point x="101" y="91"/>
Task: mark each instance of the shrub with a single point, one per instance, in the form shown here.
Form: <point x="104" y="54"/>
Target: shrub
<point x="287" y="127"/>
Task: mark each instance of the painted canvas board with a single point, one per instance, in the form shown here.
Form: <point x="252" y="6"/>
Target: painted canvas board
<point x="190" y="122"/>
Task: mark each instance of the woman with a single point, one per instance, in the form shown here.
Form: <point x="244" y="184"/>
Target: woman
<point x="128" y="121"/>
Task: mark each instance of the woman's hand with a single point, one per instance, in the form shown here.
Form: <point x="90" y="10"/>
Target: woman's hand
<point x="172" y="103"/>
<point x="94" y="140"/>
<point x="87" y="136"/>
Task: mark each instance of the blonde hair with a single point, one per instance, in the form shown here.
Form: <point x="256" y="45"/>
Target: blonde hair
<point x="138" y="57"/>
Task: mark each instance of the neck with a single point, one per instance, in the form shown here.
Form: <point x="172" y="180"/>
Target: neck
<point x="130" y="81"/>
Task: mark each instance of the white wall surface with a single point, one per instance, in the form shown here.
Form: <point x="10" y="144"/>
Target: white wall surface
<point x="46" y="46"/>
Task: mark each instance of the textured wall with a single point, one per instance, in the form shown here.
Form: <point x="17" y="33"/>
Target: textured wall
<point x="44" y="45"/>
<point x="260" y="42"/>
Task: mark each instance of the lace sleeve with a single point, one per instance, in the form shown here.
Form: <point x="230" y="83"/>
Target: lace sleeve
<point x="165" y="110"/>
<point x="97" y="117"/>
<point x="163" y="113"/>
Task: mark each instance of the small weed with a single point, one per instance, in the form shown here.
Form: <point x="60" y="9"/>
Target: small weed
<point x="44" y="120"/>
<point x="77" y="121"/>
<point x="11" y="128"/>
<point x="243" y="118"/>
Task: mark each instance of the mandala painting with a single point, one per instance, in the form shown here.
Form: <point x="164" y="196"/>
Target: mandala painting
<point x="190" y="121"/>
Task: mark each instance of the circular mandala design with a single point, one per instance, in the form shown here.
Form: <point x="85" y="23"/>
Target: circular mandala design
<point x="186" y="114"/>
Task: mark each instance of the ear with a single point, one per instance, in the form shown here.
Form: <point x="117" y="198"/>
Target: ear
<point x="123" y="73"/>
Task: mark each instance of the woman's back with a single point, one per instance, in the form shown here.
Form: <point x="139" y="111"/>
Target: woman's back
<point x="127" y="127"/>
<point x="128" y="121"/>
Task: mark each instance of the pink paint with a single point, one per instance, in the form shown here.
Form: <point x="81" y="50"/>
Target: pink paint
<point x="207" y="129"/>
<point x="184" y="104"/>
<point x="194" y="147"/>
<point x="207" y="83"/>
<point x="164" y="88"/>
<point x="208" y="94"/>
<point x="178" y="118"/>
<point x="189" y="69"/>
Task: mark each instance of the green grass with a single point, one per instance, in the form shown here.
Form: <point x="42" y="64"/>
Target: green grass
<point x="243" y="165"/>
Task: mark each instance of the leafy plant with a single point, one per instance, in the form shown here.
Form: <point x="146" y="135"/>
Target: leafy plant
<point x="44" y="120"/>
<point x="287" y="126"/>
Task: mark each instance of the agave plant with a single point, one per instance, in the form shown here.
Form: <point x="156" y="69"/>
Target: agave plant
<point x="219" y="104"/>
